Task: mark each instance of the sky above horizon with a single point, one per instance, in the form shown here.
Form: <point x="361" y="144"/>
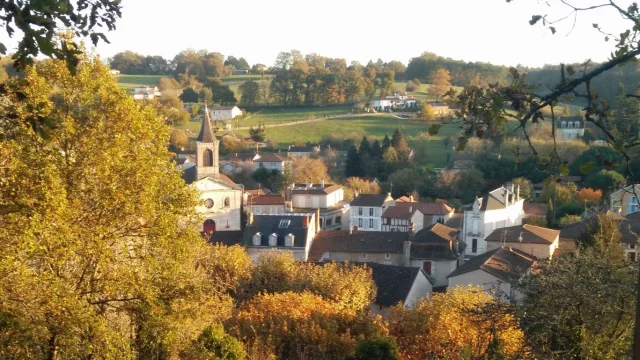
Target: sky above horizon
<point x="471" y="30"/>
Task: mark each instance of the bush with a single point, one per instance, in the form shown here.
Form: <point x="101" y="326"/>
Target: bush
<point x="178" y="138"/>
<point x="214" y="343"/>
<point x="376" y="349"/>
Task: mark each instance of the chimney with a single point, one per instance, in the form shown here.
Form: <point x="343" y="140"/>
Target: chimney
<point x="406" y="253"/>
<point x="410" y="198"/>
<point x="250" y="220"/>
<point x="350" y="230"/>
<point x="506" y="197"/>
<point x="355" y="194"/>
<point x="305" y="221"/>
<point x="317" y="221"/>
<point x="322" y="182"/>
<point x="518" y="193"/>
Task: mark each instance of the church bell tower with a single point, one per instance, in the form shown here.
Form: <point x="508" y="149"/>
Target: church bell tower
<point x="207" y="146"/>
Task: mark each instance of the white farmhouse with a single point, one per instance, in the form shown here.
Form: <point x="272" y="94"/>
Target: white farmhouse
<point x="144" y="92"/>
<point x="570" y="128"/>
<point x="225" y="113"/>
<point x="500" y="208"/>
<point x="271" y="162"/>
<point x="328" y="199"/>
<point x="367" y="210"/>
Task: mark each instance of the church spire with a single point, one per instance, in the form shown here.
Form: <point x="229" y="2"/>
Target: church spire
<point x="206" y="133"/>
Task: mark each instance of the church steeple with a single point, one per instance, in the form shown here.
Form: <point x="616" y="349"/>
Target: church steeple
<point x="207" y="149"/>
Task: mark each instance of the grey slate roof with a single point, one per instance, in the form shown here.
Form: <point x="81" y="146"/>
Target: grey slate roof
<point x="504" y="263"/>
<point x="269" y="224"/>
<point x="228" y="238"/>
<point x="495" y="199"/>
<point x="206" y="133"/>
<point x="371" y="200"/>
<point x="436" y="242"/>
<point x="393" y="282"/>
<point x="357" y="242"/>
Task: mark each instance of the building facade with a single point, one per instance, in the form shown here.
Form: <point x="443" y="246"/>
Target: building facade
<point x="625" y="201"/>
<point x="367" y="209"/>
<point x="223" y="113"/>
<point x="570" y="128"/>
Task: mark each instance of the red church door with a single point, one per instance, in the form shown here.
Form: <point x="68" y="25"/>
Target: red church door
<point x="209" y="226"/>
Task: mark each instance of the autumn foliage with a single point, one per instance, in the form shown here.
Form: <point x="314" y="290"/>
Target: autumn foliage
<point x="462" y="323"/>
<point x="589" y="196"/>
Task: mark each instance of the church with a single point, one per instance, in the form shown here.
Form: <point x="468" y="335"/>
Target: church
<point x="220" y="197"/>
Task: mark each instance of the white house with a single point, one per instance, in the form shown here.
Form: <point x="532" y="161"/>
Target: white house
<point x="397" y="284"/>
<point x="396" y="100"/>
<point x="329" y="199"/>
<point x="221" y="198"/>
<point x="114" y="72"/>
<point x="625" y="200"/>
<point x="367" y="210"/>
<point x="402" y="219"/>
<point x="499" y="208"/>
<point x="432" y="212"/>
<point x="266" y="204"/>
<point x="302" y="151"/>
<point x="569" y="128"/>
<point x="271" y="162"/>
<point x="238" y="162"/>
<point x="436" y="250"/>
<point x="144" y="92"/>
<point x="225" y="112"/>
<point x="536" y="241"/>
<point x="495" y="271"/>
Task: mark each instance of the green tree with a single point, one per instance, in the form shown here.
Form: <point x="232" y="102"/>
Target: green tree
<point x="215" y="344"/>
<point x="405" y="182"/>
<point x="386" y="142"/>
<point x="354" y="165"/>
<point x="258" y="133"/>
<point x="525" y="186"/>
<point x="376" y="349"/>
<point x="189" y="95"/>
<point x="395" y="139"/>
<point x="178" y="138"/>
<point x="605" y="180"/>
<point x="206" y="96"/>
<point x="249" y="92"/>
<point x="82" y="256"/>
<point x="427" y="112"/>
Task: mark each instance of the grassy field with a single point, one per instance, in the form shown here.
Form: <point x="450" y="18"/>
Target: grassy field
<point x="432" y="148"/>
<point x="270" y="116"/>
<point x="130" y="81"/>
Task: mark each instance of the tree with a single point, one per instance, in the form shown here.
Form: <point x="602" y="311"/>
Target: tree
<point x="82" y="256"/>
<point x="307" y="170"/>
<point x="265" y="92"/>
<point x="376" y="349"/>
<point x="464" y="320"/>
<point x="189" y="95"/>
<point x="249" y="92"/>
<point x="178" y="138"/>
<point x="168" y="86"/>
<point x="563" y="314"/>
<point x="127" y="62"/>
<point x="439" y="82"/>
<point x="605" y="180"/>
<point x="257" y="134"/>
<point x="569" y="220"/>
<point x="427" y="112"/>
<point x="589" y="196"/>
<point x="354" y="165"/>
<point x="403" y="151"/>
<point x="395" y="139"/>
<point x="206" y="96"/>
<point x="468" y="185"/>
<point x="365" y="147"/>
<point x="405" y="181"/>
<point x="213" y="343"/>
<point x="360" y="186"/>
<point x="413" y="85"/>
<point x="386" y="142"/>
<point x="39" y="23"/>
<point x="195" y="110"/>
<point x="525" y="187"/>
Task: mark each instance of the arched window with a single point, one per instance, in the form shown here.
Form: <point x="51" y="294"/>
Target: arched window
<point x="207" y="157"/>
<point x="577" y="124"/>
<point x="227" y="202"/>
<point x="209" y="226"/>
<point x="570" y="125"/>
<point x="562" y="123"/>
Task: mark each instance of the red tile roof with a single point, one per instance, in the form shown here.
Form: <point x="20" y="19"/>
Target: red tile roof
<point x="266" y="200"/>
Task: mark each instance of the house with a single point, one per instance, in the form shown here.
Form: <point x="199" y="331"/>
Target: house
<point x="432" y="212"/>
<point x="329" y="199"/>
<point x="238" y="162"/>
<point x="536" y="241"/>
<point x="185" y="161"/>
<point x="292" y="232"/>
<point x="367" y="210"/>
<point x="220" y="198"/>
<point x="398" y="284"/>
<point x="455" y="221"/>
<point x="241" y="72"/>
<point x="569" y="127"/>
<point x="441" y="109"/>
<point x="144" y="92"/>
<point x="495" y="271"/>
<point x="534" y="213"/>
<point x="628" y="226"/>
<point x="114" y="72"/>
<point x="402" y="218"/>
<point x="625" y="200"/>
<point x="223" y="113"/>
<point x="437" y="251"/>
<point x="372" y="181"/>
<point x="302" y="151"/>
<point x="400" y="101"/>
<point x="359" y="246"/>
<point x="266" y="204"/>
<point x="499" y="208"/>
<point x="272" y="162"/>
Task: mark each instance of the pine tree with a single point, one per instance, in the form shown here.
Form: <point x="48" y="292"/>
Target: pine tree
<point x="386" y="142"/>
<point x="395" y="139"/>
<point x="365" y="147"/>
<point x="376" y="150"/>
<point x="355" y="166"/>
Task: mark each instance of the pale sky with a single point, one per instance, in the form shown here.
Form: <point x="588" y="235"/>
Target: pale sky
<point x="472" y="30"/>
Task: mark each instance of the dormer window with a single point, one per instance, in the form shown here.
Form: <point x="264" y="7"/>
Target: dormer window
<point x="562" y="124"/>
<point x="273" y="239"/>
<point x="257" y="239"/>
<point x="577" y="124"/>
<point x="288" y="240"/>
<point x="284" y="224"/>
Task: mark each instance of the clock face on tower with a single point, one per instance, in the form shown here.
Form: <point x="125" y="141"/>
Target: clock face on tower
<point x="208" y="203"/>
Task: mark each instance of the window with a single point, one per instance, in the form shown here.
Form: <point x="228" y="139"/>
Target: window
<point x="284" y="224"/>
<point x="632" y="256"/>
<point x="207" y="157"/>
<point x="577" y="124"/>
<point x="370" y="211"/>
<point x="329" y="222"/>
<point x="360" y="211"/>
<point x="632" y="246"/>
<point x="359" y="223"/>
<point x="338" y="219"/>
<point x="562" y="123"/>
<point x="370" y="223"/>
<point x="387" y="256"/>
<point x="364" y="255"/>
<point x="208" y="203"/>
<point x="426" y="266"/>
<point x="321" y="221"/>
<point x="474" y="245"/>
<point x="227" y="202"/>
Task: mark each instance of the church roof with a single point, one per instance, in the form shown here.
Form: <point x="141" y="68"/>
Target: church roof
<point x="190" y="176"/>
<point x="206" y="133"/>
